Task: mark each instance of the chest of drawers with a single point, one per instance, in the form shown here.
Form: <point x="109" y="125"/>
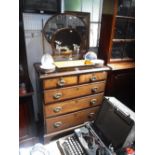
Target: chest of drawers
<point x="68" y="99"/>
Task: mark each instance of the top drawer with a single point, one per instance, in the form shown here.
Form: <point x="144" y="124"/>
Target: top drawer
<point x="92" y="77"/>
<point x="59" y="82"/>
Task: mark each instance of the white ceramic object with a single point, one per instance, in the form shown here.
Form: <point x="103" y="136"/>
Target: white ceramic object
<point x="47" y="63"/>
<point x="47" y="60"/>
<point x="98" y="62"/>
<point x="51" y="67"/>
<point x="90" y="56"/>
<point x="48" y="69"/>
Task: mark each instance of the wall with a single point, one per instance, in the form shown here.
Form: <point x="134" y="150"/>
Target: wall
<point x="34" y="46"/>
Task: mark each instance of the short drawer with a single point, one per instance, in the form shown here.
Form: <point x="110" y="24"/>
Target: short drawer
<point x="70" y="120"/>
<point x="59" y="82"/>
<point x="92" y="77"/>
<point x="73" y="105"/>
<point x="73" y="92"/>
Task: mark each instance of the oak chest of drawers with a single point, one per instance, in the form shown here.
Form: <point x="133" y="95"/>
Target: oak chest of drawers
<point x="68" y="99"/>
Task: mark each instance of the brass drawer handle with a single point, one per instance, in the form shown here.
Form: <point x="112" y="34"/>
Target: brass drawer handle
<point x="93" y="101"/>
<point x="91" y="115"/>
<point x="57" y="109"/>
<point x="57" y="124"/>
<point x="57" y="95"/>
<point x="94" y="90"/>
<point x="61" y="82"/>
<point x="93" y="78"/>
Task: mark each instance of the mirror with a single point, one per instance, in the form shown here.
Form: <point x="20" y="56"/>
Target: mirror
<point x="68" y="34"/>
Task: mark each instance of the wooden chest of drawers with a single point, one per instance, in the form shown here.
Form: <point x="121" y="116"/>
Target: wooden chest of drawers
<point x="67" y="99"/>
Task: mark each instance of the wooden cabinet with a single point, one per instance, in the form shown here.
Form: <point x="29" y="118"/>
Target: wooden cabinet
<point x="121" y="84"/>
<point x="117" y="38"/>
<point x="69" y="98"/>
<point x="117" y="48"/>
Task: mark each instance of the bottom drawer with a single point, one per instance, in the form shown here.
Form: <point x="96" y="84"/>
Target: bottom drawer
<point x="70" y="120"/>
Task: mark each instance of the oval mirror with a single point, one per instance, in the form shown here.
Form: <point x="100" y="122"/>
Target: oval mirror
<point x="68" y="35"/>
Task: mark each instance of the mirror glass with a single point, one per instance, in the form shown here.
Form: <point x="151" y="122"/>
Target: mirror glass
<point x="68" y="35"/>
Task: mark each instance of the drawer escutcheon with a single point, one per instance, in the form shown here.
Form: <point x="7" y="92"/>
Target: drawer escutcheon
<point x="61" y="82"/>
<point x="91" y="115"/>
<point x="57" y="109"/>
<point x="93" y="78"/>
<point x="94" y="90"/>
<point x="93" y="101"/>
<point x="57" y="95"/>
<point x="57" y="124"/>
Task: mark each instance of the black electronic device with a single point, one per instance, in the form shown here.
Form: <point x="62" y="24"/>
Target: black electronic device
<point x="104" y="136"/>
<point x="112" y="124"/>
<point x="41" y="6"/>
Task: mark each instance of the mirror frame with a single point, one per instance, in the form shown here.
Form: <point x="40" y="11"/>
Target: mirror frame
<point x="84" y="17"/>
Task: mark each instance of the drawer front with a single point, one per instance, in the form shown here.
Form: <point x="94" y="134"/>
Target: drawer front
<point x="72" y="92"/>
<point x="59" y="82"/>
<point x="92" y="77"/>
<point x="70" y="120"/>
<point x="73" y="105"/>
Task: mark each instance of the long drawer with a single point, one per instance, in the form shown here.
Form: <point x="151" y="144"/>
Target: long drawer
<point x="60" y="82"/>
<point x="73" y="105"/>
<point x="92" y="77"/>
<point x="70" y="120"/>
<point x="73" y="92"/>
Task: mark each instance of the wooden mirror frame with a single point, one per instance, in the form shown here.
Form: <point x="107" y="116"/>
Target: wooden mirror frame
<point x="84" y="18"/>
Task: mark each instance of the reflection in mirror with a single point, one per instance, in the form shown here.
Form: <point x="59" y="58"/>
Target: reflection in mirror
<point x="67" y="33"/>
<point x="69" y="46"/>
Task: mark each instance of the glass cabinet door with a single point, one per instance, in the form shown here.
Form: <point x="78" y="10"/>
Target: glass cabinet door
<point x="124" y="29"/>
<point x="130" y="32"/>
<point x="124" y="7"/>
<point x="123" y="50"/>
<point x="123" y="47"/>
<point x="129" y="50"/>
<point x="117" y="50"/>
<point x="120" y="28"/>
<point x="132" y="9"/>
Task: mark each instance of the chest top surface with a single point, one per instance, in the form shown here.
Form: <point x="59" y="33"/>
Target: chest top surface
<point x="67" y="72"/>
